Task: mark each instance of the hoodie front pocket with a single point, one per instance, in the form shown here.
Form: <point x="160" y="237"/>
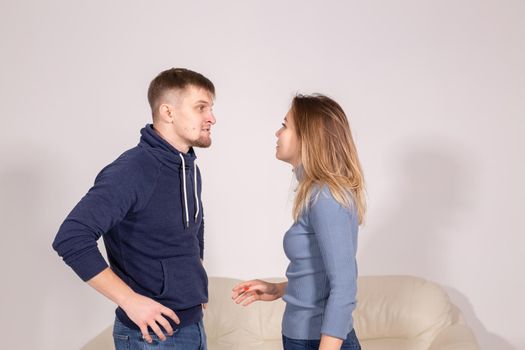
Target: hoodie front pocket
<point x="185" y="282"/>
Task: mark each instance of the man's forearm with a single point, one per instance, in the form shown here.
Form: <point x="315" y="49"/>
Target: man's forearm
<point x="112" y="286"/>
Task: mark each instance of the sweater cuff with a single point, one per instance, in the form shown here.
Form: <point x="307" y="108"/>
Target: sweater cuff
<point x="89" y="265"/>
<point x="338" y="329"/>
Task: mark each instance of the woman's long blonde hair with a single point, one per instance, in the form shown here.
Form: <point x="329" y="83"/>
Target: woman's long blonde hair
<point x="328" y="154"/>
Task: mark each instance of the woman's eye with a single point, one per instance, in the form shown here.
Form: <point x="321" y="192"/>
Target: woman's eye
<point x="284" y="126"/>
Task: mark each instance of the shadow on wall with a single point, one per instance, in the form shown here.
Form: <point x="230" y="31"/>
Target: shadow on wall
<point x="486" y="339"/>
<point x="433" y="185"/>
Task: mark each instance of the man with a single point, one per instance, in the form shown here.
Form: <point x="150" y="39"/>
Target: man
<point x="146" y="205"/>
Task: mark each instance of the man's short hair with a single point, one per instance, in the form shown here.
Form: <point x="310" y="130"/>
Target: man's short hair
<point x="175" y="79"/>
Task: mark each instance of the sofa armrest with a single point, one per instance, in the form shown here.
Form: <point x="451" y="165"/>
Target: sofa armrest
<point x="103" y="341"/>
<point x="455" y="337"/>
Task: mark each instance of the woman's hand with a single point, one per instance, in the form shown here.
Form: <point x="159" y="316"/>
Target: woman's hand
<point x="250" y="291"/>
<point x="330" y="343"/>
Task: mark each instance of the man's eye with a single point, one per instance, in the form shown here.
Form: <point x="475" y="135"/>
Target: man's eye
<point x="284" y="126"/>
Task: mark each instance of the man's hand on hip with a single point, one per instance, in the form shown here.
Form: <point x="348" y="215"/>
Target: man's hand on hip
<point x="147" y="312"/>
<point x="140" y="309"/>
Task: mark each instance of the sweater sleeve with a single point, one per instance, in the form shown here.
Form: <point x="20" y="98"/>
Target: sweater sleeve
<point x="116" y="191"/>
<point x="336" y="229"/>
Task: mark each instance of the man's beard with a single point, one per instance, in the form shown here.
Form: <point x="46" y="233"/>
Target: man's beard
<point x="202" y="142"/>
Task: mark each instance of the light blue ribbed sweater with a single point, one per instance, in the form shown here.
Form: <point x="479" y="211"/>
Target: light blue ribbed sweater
<point x="322" y="274"/>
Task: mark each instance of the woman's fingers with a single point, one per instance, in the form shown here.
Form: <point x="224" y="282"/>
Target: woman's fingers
<point x="236" y="291"/>
<point x="241" y="288"/>
<point x="250" y="299"/>
<point x="241" y="298"/>
<point x="243" y="285"/>
<point x="254" y="289"/>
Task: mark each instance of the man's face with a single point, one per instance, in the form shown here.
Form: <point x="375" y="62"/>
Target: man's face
<point x="193" y="116"/>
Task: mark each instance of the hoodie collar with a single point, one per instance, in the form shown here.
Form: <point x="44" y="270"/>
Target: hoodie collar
<point x="172" y="158"/>
<point x="163" y="151"/>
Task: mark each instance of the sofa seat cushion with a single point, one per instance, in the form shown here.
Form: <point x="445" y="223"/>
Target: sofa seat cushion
<point x="266" y="345"/>
<point x="394" y="344"/>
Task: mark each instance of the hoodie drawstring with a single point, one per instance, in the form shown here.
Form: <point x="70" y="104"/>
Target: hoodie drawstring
<point x="186" y="193"/>
<point x="195" y="186"/>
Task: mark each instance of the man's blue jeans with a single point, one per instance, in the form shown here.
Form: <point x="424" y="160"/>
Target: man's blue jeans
<point x="350" y="343"/>
<point x="190" y="337"/>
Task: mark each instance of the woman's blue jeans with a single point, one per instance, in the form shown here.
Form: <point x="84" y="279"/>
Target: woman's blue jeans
<point x="350" y="343"/>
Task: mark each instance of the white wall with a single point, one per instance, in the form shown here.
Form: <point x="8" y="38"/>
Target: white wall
<point x="435" y="94"/>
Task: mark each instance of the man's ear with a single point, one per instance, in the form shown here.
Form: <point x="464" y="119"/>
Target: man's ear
<point x="166" y="113"/>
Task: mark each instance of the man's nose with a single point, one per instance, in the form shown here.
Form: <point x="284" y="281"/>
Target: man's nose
<point x="211" y="119"/>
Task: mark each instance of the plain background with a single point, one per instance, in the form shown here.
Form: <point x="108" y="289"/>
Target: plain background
<point x="434" y="91"/>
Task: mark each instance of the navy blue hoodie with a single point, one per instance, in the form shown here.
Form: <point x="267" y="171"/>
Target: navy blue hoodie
<point x="152" y="228"/>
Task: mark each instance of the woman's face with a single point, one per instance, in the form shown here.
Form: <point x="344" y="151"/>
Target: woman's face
<point x="288" y="145"/>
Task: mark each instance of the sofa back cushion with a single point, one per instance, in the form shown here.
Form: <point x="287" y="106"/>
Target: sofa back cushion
<point x="404" y="307"/>
<point x="388" y="307"/>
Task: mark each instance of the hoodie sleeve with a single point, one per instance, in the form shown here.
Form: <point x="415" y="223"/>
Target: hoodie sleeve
<point x="336" y="229"/>
<point x="117" y="190"/>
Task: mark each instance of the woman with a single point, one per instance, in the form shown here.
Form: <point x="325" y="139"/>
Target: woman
<point x="321" y="245"/>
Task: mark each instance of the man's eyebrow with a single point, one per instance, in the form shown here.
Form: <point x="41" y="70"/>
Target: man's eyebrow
<point x="202" y="101"/>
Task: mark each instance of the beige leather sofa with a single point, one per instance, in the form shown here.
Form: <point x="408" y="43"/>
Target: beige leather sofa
<point x="393" y="312"/>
